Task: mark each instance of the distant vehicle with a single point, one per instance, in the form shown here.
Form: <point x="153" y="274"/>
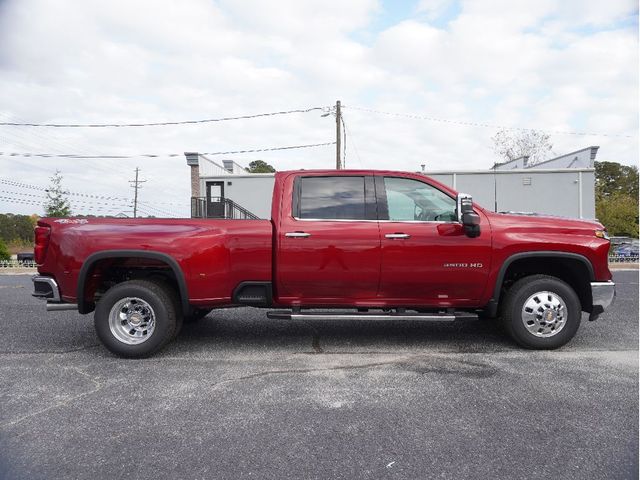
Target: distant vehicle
<point x="385" y="245"/>
<point x="627" y="250"/>
<point x="25" y="257"/>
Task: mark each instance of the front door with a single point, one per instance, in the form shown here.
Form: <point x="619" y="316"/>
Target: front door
<point x="215" y="200"/>
<point x="426" y="257"/>
<point x="329" y="244"/>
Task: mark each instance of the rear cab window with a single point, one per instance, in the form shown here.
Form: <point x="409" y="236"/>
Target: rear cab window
<point x="334" y="198"/>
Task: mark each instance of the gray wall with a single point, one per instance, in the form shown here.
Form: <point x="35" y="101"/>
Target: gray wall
<point x="566" y="192"/>
<point x="553" y="192"/>
<point x="251" y="191"/>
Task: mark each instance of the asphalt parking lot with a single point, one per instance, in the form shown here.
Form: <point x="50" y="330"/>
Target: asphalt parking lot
<point x="239" y="396"/>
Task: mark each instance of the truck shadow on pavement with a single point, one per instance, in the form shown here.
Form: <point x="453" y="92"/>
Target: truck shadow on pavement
<point x="247" y="328"/>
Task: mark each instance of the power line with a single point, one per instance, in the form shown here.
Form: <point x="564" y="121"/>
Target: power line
<point x="44" y="198"/>
<point x="29" y="186"/>
<point x="484" y="125"/>
<point x="54" y="142"/>
<point x="159" y="210"/>
<point x="157" y="124"/>
<point x="157" y="155"/>
<point x="353" y="141"/>
<point x="29" y="201"/>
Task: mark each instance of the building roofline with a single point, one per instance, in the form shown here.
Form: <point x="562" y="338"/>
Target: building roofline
<point x="527" y="171"/>
<point x="513" y="170"/>
<point x="593" y="156"/>
<point x="239" y="175"/>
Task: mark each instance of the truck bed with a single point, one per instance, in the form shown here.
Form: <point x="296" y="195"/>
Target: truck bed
<point x="214" y="255"/>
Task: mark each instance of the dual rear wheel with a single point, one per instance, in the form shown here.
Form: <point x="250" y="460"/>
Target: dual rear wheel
<point x="137" y="318"/>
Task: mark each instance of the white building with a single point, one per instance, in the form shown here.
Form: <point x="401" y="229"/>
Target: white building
<point x="563" y="186"/>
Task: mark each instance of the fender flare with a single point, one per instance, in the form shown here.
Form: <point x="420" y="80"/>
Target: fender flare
<point x="542" y="253"/>
<point x="91" y="260"/>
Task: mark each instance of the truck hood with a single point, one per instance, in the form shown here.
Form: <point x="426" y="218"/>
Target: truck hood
<point x="542" y="222"/>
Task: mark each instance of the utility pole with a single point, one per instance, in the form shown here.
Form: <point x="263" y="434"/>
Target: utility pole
<point x="338" y="135"/>
<point x="136" y="185"/>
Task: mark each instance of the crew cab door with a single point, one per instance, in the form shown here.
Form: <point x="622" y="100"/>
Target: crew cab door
<point x="427" y="259"/>
<point x="328" y="250"/>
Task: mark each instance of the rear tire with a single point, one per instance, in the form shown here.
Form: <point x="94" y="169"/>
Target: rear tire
<point x="135" y="319"/>
<point x="541" y="312"/>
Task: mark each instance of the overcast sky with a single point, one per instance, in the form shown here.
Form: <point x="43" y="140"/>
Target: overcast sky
<point x="559" y="66"/>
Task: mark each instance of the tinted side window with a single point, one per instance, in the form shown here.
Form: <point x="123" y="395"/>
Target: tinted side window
<point x="341" y="198"/>
<point x="409" y="199"/>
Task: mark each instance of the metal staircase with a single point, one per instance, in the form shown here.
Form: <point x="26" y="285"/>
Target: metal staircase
<point x="219" y="207"/>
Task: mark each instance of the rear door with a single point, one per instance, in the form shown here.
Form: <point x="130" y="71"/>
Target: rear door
<point x="329" y="243"/>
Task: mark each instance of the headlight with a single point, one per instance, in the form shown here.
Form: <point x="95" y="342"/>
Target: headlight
<point x="602" y="234"/>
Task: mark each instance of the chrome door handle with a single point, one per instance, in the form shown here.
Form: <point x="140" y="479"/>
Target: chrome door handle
<point x="297" y="234"/>
<point x="395" y="236"/>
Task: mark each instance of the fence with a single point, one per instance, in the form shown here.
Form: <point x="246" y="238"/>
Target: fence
<point x="623" y="258"/>
<point x="17" y="264"/>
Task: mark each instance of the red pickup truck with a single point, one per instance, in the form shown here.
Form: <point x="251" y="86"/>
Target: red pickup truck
<point x="348" y="244"/>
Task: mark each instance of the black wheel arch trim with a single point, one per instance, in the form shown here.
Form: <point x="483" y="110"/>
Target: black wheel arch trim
<point x="86" y="307"/>
<point x="542" y="253"/>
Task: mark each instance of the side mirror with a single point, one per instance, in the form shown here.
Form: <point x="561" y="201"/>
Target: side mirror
<point x="466" y="216"/>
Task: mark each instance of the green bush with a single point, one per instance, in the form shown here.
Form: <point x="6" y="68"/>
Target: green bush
<point x="619" y="214"/>
<point x="4" y="251"/>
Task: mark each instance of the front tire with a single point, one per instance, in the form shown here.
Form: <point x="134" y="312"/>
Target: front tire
<point x="136" y="318"/>
<point x="541" y="312"/>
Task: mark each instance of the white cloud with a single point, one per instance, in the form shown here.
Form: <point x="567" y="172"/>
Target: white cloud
<point x="548" y="65"/>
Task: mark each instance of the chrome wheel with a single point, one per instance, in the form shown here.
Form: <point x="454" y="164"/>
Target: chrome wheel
<point x="132" y="320"/>
<point x="544" y="314"/>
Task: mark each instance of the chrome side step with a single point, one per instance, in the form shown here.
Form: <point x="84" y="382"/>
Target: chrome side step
<point x="312" y="315"/>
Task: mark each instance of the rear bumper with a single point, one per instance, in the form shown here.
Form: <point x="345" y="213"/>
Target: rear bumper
<point x="47" y="289"/>
<point x="603" y="295"/>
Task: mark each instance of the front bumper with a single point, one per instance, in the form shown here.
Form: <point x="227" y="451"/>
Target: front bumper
<point x="603" y="295"/>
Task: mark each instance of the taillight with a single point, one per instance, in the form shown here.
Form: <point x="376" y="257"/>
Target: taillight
<point x="42" y="242"/>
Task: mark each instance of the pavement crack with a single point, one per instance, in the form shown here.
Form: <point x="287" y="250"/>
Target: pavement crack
<point x="315" y="343"/>
<point x="305" y="370"/>
<point x="97" y="385"/>
<point x="48" y="352"/>
<point x="315" y="337"/>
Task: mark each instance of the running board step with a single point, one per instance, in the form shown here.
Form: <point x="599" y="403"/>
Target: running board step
<point x="433" y="317"/>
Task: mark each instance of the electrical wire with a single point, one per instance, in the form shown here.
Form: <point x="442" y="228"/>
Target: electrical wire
<point x="159" y="210"/>
<point x="353" y="140"/>
<point x="66" y="192"/>
<point x="157" y="155"/>
<point x="157" y="124"/>
<point x="45" y="198"/>
<point x="484" y="125"/>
